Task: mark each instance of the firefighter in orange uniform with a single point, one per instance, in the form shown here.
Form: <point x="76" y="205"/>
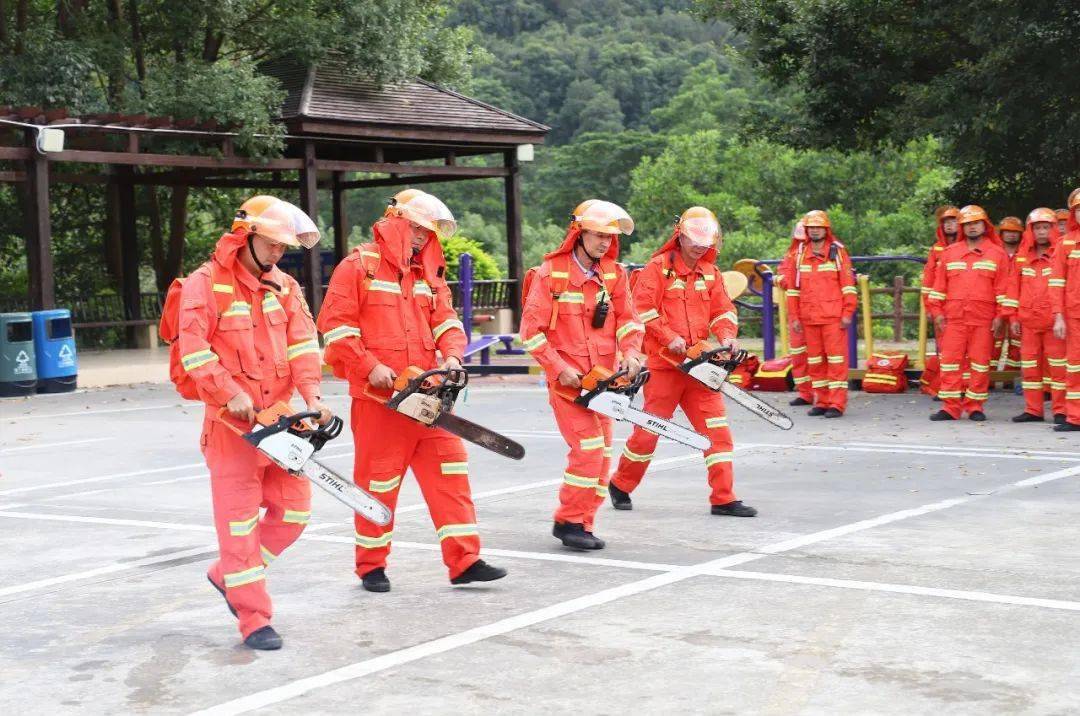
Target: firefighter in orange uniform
<point x="578" y="315"/>
<point x="1065" y="305"/>
<point x="1062" y="216"/>
<point x="388" y="308"/>
<point x="246" y="339"/>
<point x="821" y="303"/>
<point x="970" y="303"/>
<point x="681" y="299"/>
<point x="800" y="372"/>
<point x="1042" y="354"/>
<point x="1007" y="346"/>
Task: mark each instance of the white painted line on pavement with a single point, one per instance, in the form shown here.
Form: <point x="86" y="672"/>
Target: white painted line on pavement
<point x="91" y="411"/>
<point x="988" y="597"/>
<point x="12" y="505"/>
<point x="291" y="690"/>
<point x="5" y="451"/>
<point x="967" y="448"/>
<point x="923" y="452"/>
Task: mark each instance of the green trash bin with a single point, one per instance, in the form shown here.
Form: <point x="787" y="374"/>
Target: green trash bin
<point x="18" y="369"/>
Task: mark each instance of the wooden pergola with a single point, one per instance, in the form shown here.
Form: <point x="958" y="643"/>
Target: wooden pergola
<point x="336" y="125"/>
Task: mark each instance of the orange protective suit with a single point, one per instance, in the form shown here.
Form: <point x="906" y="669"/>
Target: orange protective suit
<point x="1065" y="300"/>
<point x="970" y="290"/>
<point x="573" y="343"/>
<point x="929" y="272"/>
<point x="386" y="305"/>
<point x="800" y="371"/>
<point x="265" y="345"/>
<point x="823" y="293"/>
<point x="1042" y="355"/>
<point x="676" y="300"/>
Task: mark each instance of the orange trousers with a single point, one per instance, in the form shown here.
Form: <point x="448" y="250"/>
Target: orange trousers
<point x="1042" y="368"/>
<point x="972" y="345"/>
<point x="387" y="444"/>
<point x="241" y="481"/>
<point x="1072" y="370"/>
<point x="666" y="390"/>
<point x="799" y="370"/>
<point x="826" y="357"/>
<point x="585" y="480"/>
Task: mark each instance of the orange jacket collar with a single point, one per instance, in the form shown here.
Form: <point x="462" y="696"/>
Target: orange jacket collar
<point x="226" y="254"/>
<point x="393" y="237"/>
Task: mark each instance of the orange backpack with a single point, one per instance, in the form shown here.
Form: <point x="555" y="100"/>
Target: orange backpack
<point x="169" y="327"/>
<point x="885" y="373"/>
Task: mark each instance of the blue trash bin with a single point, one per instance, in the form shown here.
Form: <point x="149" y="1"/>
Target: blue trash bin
<point x="18" y="372"/>
<point x="54" y="346"/>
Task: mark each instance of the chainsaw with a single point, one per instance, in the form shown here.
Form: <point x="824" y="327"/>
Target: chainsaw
<point x="610" y="393"/>
<point x="291" y="439"/>
<point x="712" y="365"/>
<point x="428" y="397"/>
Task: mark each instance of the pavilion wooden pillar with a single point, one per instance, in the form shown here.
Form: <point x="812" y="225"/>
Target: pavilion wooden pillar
<point x="130" y="290"/>
<point x="341" y="219"/>
<point x="309" y="202"/>
<point x="514" y="256"/>
<point x="39" y="257"/>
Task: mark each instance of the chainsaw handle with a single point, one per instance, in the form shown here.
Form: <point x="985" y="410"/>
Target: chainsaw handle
<point x="450" y="380"/>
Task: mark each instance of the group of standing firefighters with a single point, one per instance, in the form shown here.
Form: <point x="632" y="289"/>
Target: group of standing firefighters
<point x="246" y="339"/>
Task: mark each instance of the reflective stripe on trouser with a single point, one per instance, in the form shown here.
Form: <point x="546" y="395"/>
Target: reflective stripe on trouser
<point x="242" y="481"/>
<point x="828" y="377"/>
<point x="800" y="372"/>
<point x="939" y="338"/>
<point x="1072" y="369"/>
<point x="976" y="344"/>
<point x="388" y="445"/>
<point x="666" y="390"/>
<point x="585" y="479"/>
<point x="1042" y="355"/>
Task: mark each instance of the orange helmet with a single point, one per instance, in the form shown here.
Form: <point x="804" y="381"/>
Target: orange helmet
<point x="946" y="212"/>
<point x="1062" y="214"/>
<point x="603" y="217"/>
<point x="277" y="220"/>
<point x="817" y="217"/>
<point x="1041" y="214"/>
<point x="972" y="213"/>
<point x="700" y="226"/>
<point x="424" y="209"/>
<point x="252" y="207"/>
<point x="1074" y="199"/>
<point x="1011" y="223"/>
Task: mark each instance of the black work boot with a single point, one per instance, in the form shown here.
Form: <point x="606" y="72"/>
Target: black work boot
<point x="1066" y="428"/>
<point x="265" y="639"/>
<point x="1059" y="418"/>
<point x="619" y="500"/>
<point x="833" y="413"/>
<point x="221" y="591"/>
<point x="574" y="536"/>
<point x="734" y="509"/>
<point x="941" y="415"/>
<point x="480" y="571"/>
<point x="1027" y="418"/>
<point x="799" y="401"/>
<point x="815" y="411"/>
<point x="978" y="416"/>
<point x="376" y="581"/>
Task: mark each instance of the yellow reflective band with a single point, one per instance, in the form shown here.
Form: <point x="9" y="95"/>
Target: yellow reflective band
<point x="727" y="316"/>
<point x="607" y="451"/>
<point x="462" y="530"/>
<point x="628" y="328"/>
<point x="1027" y="271"/>
<point x="838" y="385"/>
<point x="700" y="285"/>
<point x="976" y="396"/>
<point x="676" y="285"/>
<point x="925" y="289"/>
<point x="384" y="485"/>
<point x="1031" y="385"/>
<point x="710" y="277"/>
<point x="267" y="555"/>
<point x="802" y="379"/>
<point x="836" y="359"/>
<point x="1057" y="386"/>
<point x="372" y="254"/>
<point x="270" y="304"/>
<point x="447" y="325"/>
<point x="1057" y="283"/>
<point x="849" y="289"/>
<point x="716" y="458"/>
<point x="1070" y="368"/>
<point x="880" y="378"/>
<point x="571" y="297"/>
<point x="297" y="517"/>
<point x="793" y="292"/>
<point x="827" y="267"/>
<point x="421" y="288"/>
<point x="239" y="579"/>
<point x="610" y="276"/>
<point x="650" y="315"/>
<point x="805" y="268"/>
<point x="956" y="265"/>
<point x="302" y="348"/>
<point x="199" y="358"/>
<point x="559" y="274"/>
<point x="223" y="288"/>
<point x="589" y="483"/>
<point x="1029" y="363"/>
<point x="242" y="528"/>
<point x="374" y="542"/>
<point x="340" y="332"/>
<point x="819" y="384"/>
<point x="454" y="468"/>
<point x="988" y="265"/>
<point x="602" y="491"/>
<point x="979" y="367"/>
<point x="1056" y="362"/>
<point x="1047" y="271"/>
<point x="716" y="422"/>
<point x="238" y="308"/>
<point x="938" y="295"/>
<point x="814" y="360"/>
<point x="797" y="351"/>
<point x="943" y="394"/>
<point x="385" y="287"/>
<point x="950" y="367"/>
<point x="596" y="443"/>
<point x="1074" y="254"/>
<point x="635" y="457"/>
<point x="535" y="343"/>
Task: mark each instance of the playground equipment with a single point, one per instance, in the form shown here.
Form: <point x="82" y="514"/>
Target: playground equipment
<point x="483" y="344"/>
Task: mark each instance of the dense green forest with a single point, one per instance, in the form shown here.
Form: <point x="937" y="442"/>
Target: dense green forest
<point x="759" y="109"/>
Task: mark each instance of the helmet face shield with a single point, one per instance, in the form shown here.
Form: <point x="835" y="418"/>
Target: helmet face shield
<point x="700" y="231"/>
<point x="276" y="223"/>
<point x="605" y="218"/>
<point x="427" y="211"/>
<point x="1042" y="214"/>
<point x="306" y="232"/>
